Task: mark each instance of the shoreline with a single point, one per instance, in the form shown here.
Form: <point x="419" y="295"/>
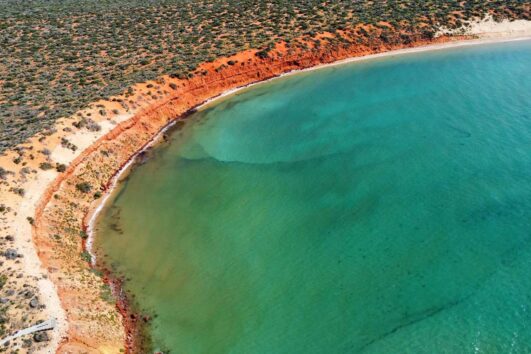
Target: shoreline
<point x="127" y="168"/>
<point x="146" y="125"/>
<point x="388" y="54"/>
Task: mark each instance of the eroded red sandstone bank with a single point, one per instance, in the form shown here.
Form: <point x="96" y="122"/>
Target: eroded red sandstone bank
<point x="96" y="326"/>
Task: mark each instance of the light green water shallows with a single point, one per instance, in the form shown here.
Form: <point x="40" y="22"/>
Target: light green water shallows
<point x="375" y="207"/>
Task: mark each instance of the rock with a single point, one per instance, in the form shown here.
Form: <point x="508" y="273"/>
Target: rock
<point x="41" y="337"/>
<point x="34" y="303"/>
<point x="4" y="300"/>
<point x="11" y="253"/>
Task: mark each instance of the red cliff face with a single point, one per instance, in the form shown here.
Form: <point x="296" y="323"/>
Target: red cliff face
<point x="96" y="326"/>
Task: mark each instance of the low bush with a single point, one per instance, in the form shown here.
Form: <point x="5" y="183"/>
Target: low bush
<point x="45" y="166"/>
<point x="83" y="187"/>
<point x="60" y="167"/>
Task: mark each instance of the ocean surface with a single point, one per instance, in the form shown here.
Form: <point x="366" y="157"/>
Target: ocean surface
<point x="381" y="206"/>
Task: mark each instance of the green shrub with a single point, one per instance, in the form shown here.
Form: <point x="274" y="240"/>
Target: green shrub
<point x="60" y="167"/>
<point x="45" y="166"/>
<point x="3" y="280"/>
<point x="83" y="187"/>
<point x="86" y="256"/>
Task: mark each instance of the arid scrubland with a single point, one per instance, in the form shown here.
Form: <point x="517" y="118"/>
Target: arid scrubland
<point x="57" y="57"/>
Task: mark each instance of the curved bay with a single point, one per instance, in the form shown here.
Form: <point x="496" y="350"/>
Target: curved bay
<point x="376" y="207"/>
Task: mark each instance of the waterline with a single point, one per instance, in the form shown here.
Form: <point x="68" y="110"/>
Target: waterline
<point x="210" y="148"/>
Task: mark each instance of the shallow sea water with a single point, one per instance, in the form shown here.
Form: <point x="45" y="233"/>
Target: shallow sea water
<point x="375" y="207"/>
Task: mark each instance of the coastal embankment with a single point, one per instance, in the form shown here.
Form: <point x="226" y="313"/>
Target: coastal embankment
<point x="49" y="209"/>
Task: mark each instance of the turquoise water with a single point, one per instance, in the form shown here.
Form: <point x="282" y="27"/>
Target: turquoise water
<point x="376" y="207"/>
